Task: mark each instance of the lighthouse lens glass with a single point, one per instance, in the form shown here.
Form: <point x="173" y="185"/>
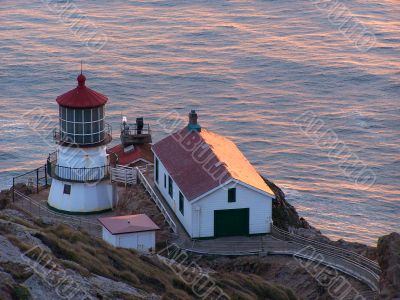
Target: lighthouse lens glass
<point x="78" y="115"/>
<point x="82" y="126"/>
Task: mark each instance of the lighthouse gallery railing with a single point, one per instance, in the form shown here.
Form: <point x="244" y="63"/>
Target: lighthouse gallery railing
<point x="76" y="174"/>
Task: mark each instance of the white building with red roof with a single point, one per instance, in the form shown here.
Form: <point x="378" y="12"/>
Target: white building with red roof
<point x="210" y="185"/>
<point x="131" y="232"/>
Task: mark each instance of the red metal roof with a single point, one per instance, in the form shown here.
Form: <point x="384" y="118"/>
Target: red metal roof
<point x="139" y="152"/>
<point x="128" y="224"/>
<point x="201" y="161"/>
<point x="82" y="96"/>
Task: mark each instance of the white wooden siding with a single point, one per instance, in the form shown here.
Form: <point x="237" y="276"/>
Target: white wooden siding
<point x="108" y="237"/>
<point x="260" y="207"/>
<point x="186" y="219"/>
<point x="198" y="218"/>
<point x="141" y="241"/>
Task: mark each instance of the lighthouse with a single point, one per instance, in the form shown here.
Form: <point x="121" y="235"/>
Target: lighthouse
<point x="80" y="167"/>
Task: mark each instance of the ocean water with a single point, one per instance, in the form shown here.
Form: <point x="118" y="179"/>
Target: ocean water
<point x="309" y="90"/>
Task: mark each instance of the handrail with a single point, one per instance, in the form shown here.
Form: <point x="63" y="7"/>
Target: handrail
<point x="75" y="174"/>
<point x="339" y="251"/>
<point x="367" y="272"/>
<point x="155" y="198"/>
<point x="134" y="129"/>
<point x="61" y="218"/>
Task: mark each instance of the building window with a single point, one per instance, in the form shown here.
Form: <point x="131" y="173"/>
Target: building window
<point x="67" y="189"/>
<point x="170" y="187"/>
<point x="232" y="195"/>
<point x="165" y="181"/>
<point x="156" y="170"/>
<point x="181" y="203"/>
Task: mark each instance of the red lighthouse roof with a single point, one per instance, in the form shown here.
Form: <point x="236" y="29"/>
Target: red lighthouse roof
<point x="82" y="96"/>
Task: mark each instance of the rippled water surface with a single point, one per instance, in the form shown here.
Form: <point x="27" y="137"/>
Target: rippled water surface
<point x="250" y="68"/>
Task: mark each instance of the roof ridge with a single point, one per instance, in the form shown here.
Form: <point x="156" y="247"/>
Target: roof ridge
<point x="213" y="150"/>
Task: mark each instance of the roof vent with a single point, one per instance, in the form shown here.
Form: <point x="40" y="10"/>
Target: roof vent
<point x="193" y="125"/>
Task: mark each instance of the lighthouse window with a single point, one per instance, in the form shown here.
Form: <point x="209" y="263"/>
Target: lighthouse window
<point x="79" y="128"/>
<point x="88" y="128"/>
<point x="67" y="189"/>
<point x="95" y="126"/>
<point x="101" y="112"/>
<point x="95" y="114"/>
<point x="63" y="125"/>
<point x="70" y="115"/>
<point x="70" y="127"/>
<point x="78" y="116"/>
<point x="88" y="115"/>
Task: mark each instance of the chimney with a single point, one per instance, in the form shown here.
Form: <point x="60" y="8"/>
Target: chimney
<point x="193" y="125"/>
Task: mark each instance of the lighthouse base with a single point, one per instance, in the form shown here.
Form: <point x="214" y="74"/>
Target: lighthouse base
<point x="80" y="198"/>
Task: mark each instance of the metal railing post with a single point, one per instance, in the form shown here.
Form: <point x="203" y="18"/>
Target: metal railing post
<point x="13" y="190"/>
<point x="37" y="180"/>
<point x="45" y="176"/>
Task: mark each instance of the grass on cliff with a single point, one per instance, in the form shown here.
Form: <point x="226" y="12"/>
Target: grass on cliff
<point x="78" y="251"/>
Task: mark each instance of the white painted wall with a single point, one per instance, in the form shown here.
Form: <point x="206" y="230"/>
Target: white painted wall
<point x="198" y="218"/>
<point x="81" y="157"/>
<point x="69" y="157"/>
<point x="83" y="197"/>
<point x="185" y="219"/>
<point x="108" y="237"/>
<point x="141" y="241"/>
<point x="260" y="207"/>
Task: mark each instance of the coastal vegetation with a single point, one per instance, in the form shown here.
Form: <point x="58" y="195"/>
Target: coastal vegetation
<point x="87" y="257"/>
<point x="125" y="274"/>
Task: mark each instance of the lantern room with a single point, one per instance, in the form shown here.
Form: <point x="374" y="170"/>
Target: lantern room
<point x="81" y="117"/>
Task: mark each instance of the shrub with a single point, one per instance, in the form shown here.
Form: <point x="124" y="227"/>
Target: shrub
<point x="21" y="293"/>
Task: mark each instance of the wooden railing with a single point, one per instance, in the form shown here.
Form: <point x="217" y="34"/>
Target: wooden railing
<point x="123" y="174"/>
<point x="38" y="210"/>
<point x="157" y="200"/>
<point x="347" y="261"/>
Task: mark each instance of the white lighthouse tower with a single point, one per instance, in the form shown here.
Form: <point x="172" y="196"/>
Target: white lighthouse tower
<point x="80" y="167"/>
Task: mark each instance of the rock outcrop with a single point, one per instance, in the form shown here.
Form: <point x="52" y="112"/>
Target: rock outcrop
<point x="5" y="198"/>
<point x="389" y="261"/>
<point x="40" y="261"/>
<point x="284" y="214"/>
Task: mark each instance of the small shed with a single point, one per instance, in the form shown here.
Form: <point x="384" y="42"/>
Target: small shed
<point x="131" y="232"/>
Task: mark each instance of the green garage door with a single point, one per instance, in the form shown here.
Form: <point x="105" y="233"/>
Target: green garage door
<point x="229" y="222"/>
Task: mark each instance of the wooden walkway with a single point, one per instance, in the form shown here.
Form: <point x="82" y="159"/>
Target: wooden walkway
<point x="279" y="242"/>
<point x="269" y="245"/>
<point x="36" y="208"/>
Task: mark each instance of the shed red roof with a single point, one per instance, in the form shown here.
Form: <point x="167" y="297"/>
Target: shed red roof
<point x="201" y="161"/>
<point x="128" y="224"/>
<point x="82" y="96"/>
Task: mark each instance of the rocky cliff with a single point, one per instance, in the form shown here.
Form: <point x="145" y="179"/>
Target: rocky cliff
<point x="49" y="261"/>
<point x="389" y="261"/>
